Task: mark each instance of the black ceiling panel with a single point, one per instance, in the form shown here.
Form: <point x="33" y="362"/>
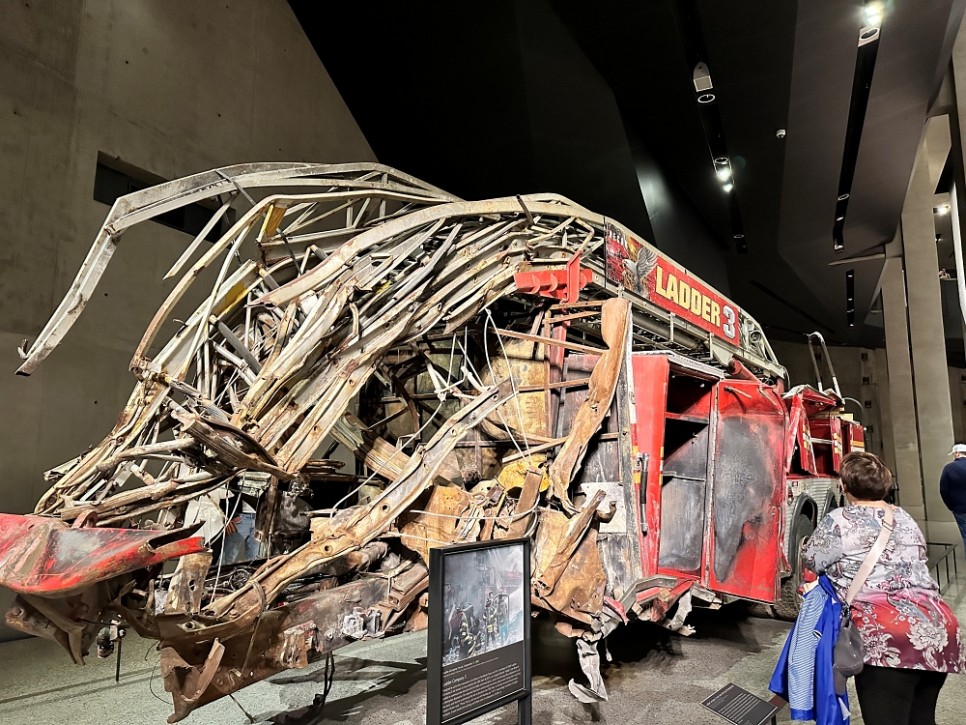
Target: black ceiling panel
<point x="596" y="101"/>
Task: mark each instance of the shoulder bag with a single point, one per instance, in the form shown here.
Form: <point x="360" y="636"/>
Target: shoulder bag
<point x="849" y="656"/>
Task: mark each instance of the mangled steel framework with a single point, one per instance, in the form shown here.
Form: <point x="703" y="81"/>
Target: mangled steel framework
<point x="466" y="354"/>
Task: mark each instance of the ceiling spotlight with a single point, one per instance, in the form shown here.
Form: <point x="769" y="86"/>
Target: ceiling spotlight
<point x="728" y="187"/>
<point x="780" y="133"/>
<point x="706" y="98"/>
<point x="942" y="209"/>
<point x="873" y="14"/>
<point x="724" y="173"/>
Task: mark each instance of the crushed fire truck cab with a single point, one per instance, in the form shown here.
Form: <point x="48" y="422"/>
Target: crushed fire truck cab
<point x="378" y="368"/>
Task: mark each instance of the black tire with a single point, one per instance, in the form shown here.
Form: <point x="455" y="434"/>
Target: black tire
<point x="789" y="601"/>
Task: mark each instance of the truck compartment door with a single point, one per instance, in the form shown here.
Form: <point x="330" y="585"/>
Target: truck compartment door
<point x="744" y="526"/>
<point x="672" y="407"/>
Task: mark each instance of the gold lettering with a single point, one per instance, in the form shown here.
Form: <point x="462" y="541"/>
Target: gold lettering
<point x="681" y="293"/>
<point x="659" y="283"/>
<point x="696" y="302"/>
<point x="684" y="294"/>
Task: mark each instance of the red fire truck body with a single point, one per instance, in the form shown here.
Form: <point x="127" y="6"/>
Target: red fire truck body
<point x="730" y="472"/>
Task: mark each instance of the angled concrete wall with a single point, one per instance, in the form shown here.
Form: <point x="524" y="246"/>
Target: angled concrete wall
<point x="173" y="88"/>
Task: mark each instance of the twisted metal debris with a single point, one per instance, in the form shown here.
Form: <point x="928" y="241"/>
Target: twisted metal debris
<point x="467" y="356"/>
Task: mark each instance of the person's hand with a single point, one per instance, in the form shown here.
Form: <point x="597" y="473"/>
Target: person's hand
<point x="232" y="526"/>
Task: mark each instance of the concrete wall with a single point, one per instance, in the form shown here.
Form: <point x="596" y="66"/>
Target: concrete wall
<point x="172" y="87"/>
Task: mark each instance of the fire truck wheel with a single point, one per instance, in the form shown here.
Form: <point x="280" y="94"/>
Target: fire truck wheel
<point x="790" y="601"/>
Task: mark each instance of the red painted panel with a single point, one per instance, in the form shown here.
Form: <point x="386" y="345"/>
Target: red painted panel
<point x="854" y="435"/>
<point x="650" y="402"/>
<point x="745" y="529"/>
<point x="561" y="284"/>
<point x="636" y="266"/>
<point x="43" y="556"/>
<point x="798" y="435"/>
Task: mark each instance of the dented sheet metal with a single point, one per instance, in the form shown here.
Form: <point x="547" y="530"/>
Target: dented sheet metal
<point x="45" y="557"/>
<point x="353" y="312"/>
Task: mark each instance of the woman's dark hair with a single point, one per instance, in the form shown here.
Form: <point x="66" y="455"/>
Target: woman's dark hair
<point x="865" y="477"/>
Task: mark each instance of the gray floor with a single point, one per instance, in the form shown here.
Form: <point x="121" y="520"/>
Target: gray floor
<point x="655" y="678"/>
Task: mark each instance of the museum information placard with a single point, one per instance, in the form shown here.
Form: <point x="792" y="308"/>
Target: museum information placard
<point x="479" y="630"/>
<point x="740" y="707"/>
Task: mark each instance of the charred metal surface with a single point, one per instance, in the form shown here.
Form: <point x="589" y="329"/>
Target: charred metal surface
<point x="43" y="556"/>
<point x="187" y="588"/>
<point x="472" y="358"/>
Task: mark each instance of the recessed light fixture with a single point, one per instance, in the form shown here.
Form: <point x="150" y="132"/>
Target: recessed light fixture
<point x="723" y="173"/>
<point x="706" y="98"/>
<point x="838" y="240"/>
<point x="850" y="297"/>
<point x="728" y="187"/>
<point x="942" y="209"/>
<point x="780" y="133"/>
<point x="702" y="78"/>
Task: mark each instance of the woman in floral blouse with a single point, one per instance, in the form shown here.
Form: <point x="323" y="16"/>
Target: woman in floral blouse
<point x="911" y="637"/>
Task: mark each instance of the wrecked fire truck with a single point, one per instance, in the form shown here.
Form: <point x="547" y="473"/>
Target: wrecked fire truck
<point x="382" y="367"/>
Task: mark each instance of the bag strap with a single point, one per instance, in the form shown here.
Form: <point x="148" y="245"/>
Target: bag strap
<point x="888" y="524"/>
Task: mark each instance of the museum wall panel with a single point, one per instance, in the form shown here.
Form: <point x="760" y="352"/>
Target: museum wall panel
<point x="169" y="88"/>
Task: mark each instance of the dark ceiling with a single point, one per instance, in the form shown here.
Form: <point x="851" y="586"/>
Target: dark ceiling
<point x="596" y="101"/>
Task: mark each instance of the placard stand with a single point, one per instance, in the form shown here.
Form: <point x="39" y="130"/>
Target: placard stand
<point x="478" y="642"/>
